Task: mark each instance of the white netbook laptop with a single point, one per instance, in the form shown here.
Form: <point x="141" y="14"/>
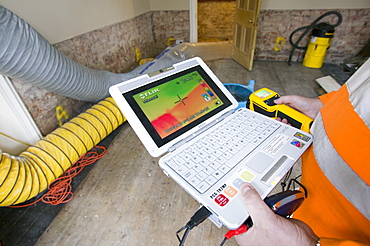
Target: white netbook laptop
<point x="185" y="111"/>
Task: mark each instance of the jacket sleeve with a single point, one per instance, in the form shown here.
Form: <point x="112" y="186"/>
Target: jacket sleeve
<point x="338" y="242"/>
<point x="326" y="97"/>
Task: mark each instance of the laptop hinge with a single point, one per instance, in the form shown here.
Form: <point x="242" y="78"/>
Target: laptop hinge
<point x="197" y="133"/>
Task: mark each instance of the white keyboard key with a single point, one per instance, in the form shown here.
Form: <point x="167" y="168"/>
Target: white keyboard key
<point x="204" y="162"/>
<point x="217" y="152"/>
<point x="217" y="174"/>
<point x="189" y="164"/>
<point x="186" y="156"/>
<point x="189" y="174"/>
<point x="208" y="170"/>
<point x="211" y="158"/>
<point x="233" y="150"/>
<point x="198" y="167"/>
<point x="201" y="175"/>
<point x="182" y="169"/>
<point x="196" y="159"/>
<point x="211" y="180"/>
<point x="172" y="164"/>
<point x="194" y="152"/>
<point x="215" y="165"/>
<point x="202" y="187"/>
<point x="203" y="154"/>
<point x="179" y="160"/>
<point x="243" y="142"/>
<point x="222" y="148"/>
<point x="224" y="168"/>
<point x="221" y="159"/>
<point x="194" y="181"/>
<point x="239" y="146"/>
<point x="227" y="155"/>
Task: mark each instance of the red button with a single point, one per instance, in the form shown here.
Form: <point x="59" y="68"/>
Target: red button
<point x="221" y="200"/>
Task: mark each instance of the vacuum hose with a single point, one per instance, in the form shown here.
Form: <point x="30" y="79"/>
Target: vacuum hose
<point x="307" y="30"/>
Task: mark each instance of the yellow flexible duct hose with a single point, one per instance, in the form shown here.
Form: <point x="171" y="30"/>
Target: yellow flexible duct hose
<point x="23" y="177"/>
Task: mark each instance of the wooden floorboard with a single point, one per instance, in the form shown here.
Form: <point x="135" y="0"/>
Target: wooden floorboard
<point x="127" y="200"/>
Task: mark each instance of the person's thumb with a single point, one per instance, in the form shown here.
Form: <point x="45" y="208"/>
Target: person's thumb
<point x="279" y="101"/>
<point x="284" y="100"/>
<point x="256" y="207"/>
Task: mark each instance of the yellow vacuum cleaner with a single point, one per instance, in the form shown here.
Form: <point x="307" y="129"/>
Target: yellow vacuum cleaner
<point x="321" y="36"/>
<point x="320" y="40"/>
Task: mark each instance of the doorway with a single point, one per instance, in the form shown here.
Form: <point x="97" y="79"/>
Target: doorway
<point x="215" y="20"/>
<point x="222" y="14"/>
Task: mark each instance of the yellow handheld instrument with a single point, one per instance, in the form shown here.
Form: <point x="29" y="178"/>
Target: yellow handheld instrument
<point x="262" y="101"/>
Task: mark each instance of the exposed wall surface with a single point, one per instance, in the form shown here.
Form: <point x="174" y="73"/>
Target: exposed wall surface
<point x="313" y="4"/>
<point x="349" y="37"/>
<point x="216" y="20"/>
<point x="170" y="24"/>
<point x="109" y="48"/>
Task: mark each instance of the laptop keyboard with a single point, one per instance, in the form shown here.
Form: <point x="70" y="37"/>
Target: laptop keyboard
<point x="210" y="158"/>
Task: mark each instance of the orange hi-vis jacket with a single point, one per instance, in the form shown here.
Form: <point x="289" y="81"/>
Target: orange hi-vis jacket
<point x="336" y="168"/>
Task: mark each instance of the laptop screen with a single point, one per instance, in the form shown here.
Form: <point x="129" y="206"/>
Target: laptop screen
<point x="172" y="105"/>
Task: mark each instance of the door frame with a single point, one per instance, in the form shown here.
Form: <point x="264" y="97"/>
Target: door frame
<point x="19" y="122"/>
<point x="193" y="18"/>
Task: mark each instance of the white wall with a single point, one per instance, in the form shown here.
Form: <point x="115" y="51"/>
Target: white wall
<point x="58" y="20"/>
<point x="169" y="4"/>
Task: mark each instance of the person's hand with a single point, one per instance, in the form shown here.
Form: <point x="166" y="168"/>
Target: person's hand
<point x="307" y="106"/>
<point x="269" y="228"/>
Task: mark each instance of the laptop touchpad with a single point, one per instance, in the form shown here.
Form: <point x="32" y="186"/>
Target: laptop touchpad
<point x="259" y="162"/>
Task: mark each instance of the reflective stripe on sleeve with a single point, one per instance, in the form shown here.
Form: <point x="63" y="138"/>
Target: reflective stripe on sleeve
<point x="346" y="181"/>
<point x="360" y="100"/>
<point x="358" y="86"/>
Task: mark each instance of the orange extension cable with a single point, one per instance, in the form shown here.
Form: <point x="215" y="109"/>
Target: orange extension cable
<point x="60" y="190"/>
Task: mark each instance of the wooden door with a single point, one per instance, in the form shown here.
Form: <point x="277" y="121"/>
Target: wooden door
<point x="245" y="31"/>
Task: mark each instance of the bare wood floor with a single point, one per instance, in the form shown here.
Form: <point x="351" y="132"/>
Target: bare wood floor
<point x="127" y="200"/>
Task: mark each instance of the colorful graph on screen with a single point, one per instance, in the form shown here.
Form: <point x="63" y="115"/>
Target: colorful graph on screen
<point x="172" y="105"/>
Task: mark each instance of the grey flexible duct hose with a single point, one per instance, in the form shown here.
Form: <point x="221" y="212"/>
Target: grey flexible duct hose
<point x="26" y="56"/>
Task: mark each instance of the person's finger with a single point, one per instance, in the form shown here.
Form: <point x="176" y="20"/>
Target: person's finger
<point x="283" y="100"/>
<point x="279" y="101"/>
<point x="256" y="207"/>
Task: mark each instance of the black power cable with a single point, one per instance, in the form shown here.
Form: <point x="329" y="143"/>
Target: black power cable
<point x="199" y="216"/>
<point x="307" y="30"/>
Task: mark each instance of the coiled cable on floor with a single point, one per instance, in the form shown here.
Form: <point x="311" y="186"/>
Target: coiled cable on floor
<point x="60" y="190"/>
<point x="23" y="177"/>
<point x="307" y="31"/>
